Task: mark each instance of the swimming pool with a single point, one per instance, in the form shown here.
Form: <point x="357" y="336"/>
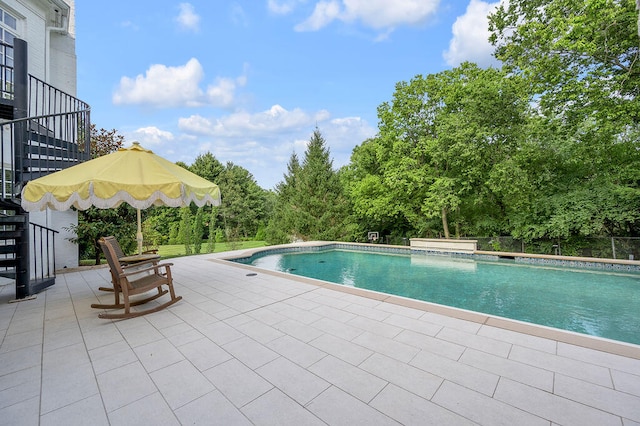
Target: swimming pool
<point x="594" y="302"/>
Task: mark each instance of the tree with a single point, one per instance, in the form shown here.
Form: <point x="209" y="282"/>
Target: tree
<point x="243" y="202"/>
<point x="198" y="230"/>
<point x="95" y="223"/>
<point x="581" y="59"/>
<point x="310" y="203"/>
<point x="185" y="232"/>
<point x="440" y="138"/>
<point x="104" y="141"/>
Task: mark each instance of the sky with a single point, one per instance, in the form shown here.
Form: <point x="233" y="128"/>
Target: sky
<point x="250" y="80"/>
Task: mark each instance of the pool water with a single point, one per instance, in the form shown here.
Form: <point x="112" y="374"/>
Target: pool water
<point x="605" y="304"/>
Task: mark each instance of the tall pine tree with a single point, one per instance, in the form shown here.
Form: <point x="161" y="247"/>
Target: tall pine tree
<point x="311" y="203"/>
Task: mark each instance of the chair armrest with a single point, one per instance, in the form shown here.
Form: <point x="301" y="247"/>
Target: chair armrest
<point x="150" y="268"/>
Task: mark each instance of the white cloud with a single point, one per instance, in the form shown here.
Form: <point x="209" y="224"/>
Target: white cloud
<point x="165" y="86"/>
<point x="276" y="119"/>
<point x="282" y="7"/>
<point x="152" y="136"/>
<point x="187" y="18"/>
<point x="470" y="40"/>
<point x="323" y="14"/>
<point x="263" y="142"/>
<point x="376" y="14"/>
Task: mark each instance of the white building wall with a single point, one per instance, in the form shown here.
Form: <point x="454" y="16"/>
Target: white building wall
<point x="51" y="58"/>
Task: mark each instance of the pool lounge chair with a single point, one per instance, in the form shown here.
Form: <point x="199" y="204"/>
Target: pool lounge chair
<point x="135" y="281"/>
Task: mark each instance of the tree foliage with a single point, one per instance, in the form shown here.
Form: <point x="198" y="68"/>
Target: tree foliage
<point x="311" y="203"/>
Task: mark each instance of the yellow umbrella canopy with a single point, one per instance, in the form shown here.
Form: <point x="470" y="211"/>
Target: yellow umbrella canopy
<point x="132" y="175"/>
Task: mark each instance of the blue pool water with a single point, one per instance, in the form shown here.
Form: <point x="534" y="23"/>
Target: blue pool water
<point x="598" y="303"/>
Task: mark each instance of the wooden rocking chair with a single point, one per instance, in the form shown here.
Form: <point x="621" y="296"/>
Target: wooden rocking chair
<point x="131" y="282"/>
<point x="120" y="254"/>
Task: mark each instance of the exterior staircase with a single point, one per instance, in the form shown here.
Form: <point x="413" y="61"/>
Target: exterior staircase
<point x="48" y="130"/>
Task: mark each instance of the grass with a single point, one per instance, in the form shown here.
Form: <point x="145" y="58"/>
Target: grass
<point x="177" y="250"/>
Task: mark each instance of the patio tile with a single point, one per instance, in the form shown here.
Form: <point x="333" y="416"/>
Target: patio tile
<point x="335" y="406"/>
<point x="551" y="407"/>
<point x="139" y="333"/>
<point x="267" y="316"/>
<point x="24" y="413"/>
<point x="388" y="347"/>
<point x="299" y="352"/>
<point x="625" y="382"/>
<point x="375" y="327"/>
<point x="616" y="362"/>
<point x="62" y="338"/>
<point x="337" y="328"/>
<point x="523" y="373"/>
<point x="181" y="383"/>
<point x="457" y="372"/>
<point x="19" y="386"/>
<point x="105" y="334"/>
<point x="432" y="344"/>
<point x="474" y="341"/>
<point x="353" y="380"/>
<point x="87" y="411"/>
<point x="110" y="357"/>
<point x="569" y="367"/>
<point x="334" y="313"/>
<point x="250" y="352"/>
<point x="413" y="324"/>
<point x="482" y="409"/>
<point x="220" y="333"/>
<point x="181" y="334"/>
<point x="293" y="380"/>
<point x="451" y="322"/>
<point x="392" y="308"/>
<point x="409" y="409"/>
<point x="64" y="387"/>
<point x="276" y="408"/>
<point x="204" y="354"/>
<point x="227" y="376"/>
<point x="403" y="375"/>
<point x="298" y="330"/>
<point x="626" y="405"/>
<point x="297" y="313"/>
<point x="342" y="349"/>
<point x="22" y="340"/>
<point x="212" y="408"/>
<point x="157" y="355"/>
<point x="150" y="410"/>
<point x="259" y="331"/>
<point x="367" y="311"/>
<point x="125" y="385"/>
<point x="520" y="339"/>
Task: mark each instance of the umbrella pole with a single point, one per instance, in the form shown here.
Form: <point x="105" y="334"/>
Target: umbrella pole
<point x="139" y="233"/>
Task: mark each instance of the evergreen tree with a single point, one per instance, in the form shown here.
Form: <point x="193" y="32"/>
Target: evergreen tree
<point x="211" y="241"/>
<point x="185" y="230"/>
<point x="311" y="203"/>
<point x="198" y="230"/>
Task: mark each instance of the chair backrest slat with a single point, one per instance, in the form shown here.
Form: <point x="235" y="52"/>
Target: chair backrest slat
<point x="112" y="258"/>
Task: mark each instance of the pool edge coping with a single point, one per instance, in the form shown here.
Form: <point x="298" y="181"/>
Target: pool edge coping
<point x="614" y="347"/>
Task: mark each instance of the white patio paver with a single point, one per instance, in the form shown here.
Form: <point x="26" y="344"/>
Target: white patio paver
<point x="269" y="349"/>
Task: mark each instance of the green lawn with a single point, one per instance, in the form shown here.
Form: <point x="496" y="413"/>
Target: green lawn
<point x="179" y="250"/>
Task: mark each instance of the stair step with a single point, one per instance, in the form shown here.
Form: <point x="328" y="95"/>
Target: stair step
<point x="8" y="248"/>
<point x="8" y="263"/>
<point x="17" y="218"/>
<point x="10" y="235"/>
<point x="8" y="273"/>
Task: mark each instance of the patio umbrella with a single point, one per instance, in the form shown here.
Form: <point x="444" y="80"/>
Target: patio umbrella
<point x="132" y="175"/>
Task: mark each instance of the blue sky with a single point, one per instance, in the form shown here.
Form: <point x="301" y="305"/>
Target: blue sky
<point x="249" y="80"/>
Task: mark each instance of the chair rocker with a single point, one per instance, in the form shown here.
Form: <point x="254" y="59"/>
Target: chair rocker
<point x="120" y="254"/>
<point x="135" y="281"/>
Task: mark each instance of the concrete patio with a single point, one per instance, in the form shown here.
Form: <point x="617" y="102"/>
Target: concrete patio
<point x="265" y="349"/>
